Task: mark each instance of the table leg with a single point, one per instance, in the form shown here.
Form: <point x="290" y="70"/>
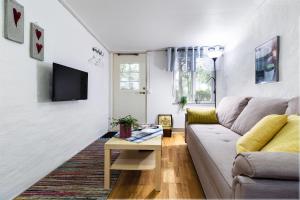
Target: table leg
<point x="157" y="170"/>
<point x="107" y="169"/>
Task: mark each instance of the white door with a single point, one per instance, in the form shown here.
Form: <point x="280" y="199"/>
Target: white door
<point x="129" y="86"/>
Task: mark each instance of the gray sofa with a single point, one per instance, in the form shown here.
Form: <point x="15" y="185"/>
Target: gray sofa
<point x="223" y="173"/>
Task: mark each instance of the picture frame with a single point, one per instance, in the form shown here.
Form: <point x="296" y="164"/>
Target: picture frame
<point x="14" y="21"/>
<point x="267" y="61"/>
<point x="36" y="42"/>
<point x="166" y="120"/>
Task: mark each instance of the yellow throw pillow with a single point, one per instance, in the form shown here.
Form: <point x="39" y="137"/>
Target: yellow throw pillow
<point x="202" y="116"/>
<point x="260" y="134"/>
<point x="288" y="139"/>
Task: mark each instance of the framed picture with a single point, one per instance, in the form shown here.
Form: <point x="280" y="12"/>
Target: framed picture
<point x="14" y="21"/>
<point x="36" y="42"/>
<point x="166" y="120"/>
<point x="267" y="62"/>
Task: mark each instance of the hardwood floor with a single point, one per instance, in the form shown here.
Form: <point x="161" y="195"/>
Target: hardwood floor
<point x="179" y="178"/>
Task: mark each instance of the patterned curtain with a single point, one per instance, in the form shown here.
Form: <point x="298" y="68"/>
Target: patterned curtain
<point x="184" y="58"/>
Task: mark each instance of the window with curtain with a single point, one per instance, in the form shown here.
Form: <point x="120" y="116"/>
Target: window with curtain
<point x="193" y="75"/>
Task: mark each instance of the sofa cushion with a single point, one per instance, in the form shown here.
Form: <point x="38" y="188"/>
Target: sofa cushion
<point x="229" y="109"/>
<point x="202" y="116"/>
<point x="288" y="138"/>
<point x="293" y="106"/>
<point x="256" y="109"/>
<point x="215" y="146"/>
<point x="261" y="133"/>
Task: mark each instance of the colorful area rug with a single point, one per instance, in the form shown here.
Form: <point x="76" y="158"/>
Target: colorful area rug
<point x="79" y="178"/>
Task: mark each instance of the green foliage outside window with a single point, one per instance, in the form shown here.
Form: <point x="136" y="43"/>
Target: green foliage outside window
<point x="196" y="86"/>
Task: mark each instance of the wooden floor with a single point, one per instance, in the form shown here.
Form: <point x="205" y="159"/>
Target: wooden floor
<point x="179" y="178"/>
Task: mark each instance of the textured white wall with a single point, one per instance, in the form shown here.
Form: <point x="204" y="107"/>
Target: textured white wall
<point x="237" y="75"/>
<point x="236" y="69"/>
<point x="37" y="135"/>
<point x="160" y="100"/>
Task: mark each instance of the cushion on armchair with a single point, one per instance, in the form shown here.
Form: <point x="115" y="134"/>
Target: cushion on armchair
<point x="229" y="109"/>
<point x="202" y="116"/>
<point x="269" y="165"/>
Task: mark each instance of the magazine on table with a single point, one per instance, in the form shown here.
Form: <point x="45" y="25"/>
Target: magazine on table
<point x="144" y="134"/>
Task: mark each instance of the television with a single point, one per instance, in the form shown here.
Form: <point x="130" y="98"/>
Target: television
<point x="69" y="84"/>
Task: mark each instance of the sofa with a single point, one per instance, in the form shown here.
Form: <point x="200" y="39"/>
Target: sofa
<point x="225" y="174"/>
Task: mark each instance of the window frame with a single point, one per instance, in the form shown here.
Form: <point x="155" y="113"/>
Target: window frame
<point x="129" y="72"/>
<point x="193" y="86"/>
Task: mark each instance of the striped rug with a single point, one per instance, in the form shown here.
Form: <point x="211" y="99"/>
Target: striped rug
<point x="79" y="178"/>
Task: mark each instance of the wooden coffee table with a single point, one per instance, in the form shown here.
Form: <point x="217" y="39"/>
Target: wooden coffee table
<point x="132" y="158"/>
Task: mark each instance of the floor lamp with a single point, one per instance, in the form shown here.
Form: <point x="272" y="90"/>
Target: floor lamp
<point x="214" y="53"/>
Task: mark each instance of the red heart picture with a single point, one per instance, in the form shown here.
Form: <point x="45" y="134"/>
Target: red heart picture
<point x="38" y="34"/>
<point x="17" y="16"/>
<point x="39" y="47"/>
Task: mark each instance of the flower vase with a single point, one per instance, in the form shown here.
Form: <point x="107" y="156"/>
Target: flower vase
<point x="125" y="131"/>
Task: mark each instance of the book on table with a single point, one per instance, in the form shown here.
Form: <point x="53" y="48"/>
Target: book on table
<point x="143" y="135"/>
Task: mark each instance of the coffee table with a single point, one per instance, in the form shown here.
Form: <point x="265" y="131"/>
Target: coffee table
<point x="133" y="156"/>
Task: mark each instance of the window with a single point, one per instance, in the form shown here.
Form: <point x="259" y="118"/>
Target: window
<point x="197" y="85"/>
<point x="129" y="76"/>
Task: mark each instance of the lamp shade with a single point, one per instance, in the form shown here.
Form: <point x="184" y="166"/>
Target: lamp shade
<point x="215" y="52"/>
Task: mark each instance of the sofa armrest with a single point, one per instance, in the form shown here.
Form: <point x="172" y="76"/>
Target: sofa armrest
<point x="268" y="165"/>
<point x="244" y="187"/>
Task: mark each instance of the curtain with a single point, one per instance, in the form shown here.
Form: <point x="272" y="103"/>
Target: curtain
<point x="184" y="58"/>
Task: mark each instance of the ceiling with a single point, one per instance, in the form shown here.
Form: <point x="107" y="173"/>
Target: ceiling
<point x="141" y="25"/>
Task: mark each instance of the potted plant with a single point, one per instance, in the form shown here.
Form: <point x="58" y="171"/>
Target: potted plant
<point x="182" y="102"/>
<point x="126" y="124"/>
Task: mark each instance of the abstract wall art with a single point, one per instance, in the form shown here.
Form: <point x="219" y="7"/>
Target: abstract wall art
<point x="267" y="62"/>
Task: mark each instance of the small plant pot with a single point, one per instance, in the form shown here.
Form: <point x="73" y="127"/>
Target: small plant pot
<point x="125" y="131"/>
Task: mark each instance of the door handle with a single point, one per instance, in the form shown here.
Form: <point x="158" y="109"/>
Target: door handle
<point x="142" y="92"/>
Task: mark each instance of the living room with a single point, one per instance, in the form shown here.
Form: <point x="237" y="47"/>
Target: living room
<point x="215" y="84"/>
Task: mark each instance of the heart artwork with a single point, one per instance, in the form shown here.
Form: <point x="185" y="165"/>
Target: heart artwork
<point x="39" y="47"/>
<point x="38" y="34"/>
<point x="17" y="16"/>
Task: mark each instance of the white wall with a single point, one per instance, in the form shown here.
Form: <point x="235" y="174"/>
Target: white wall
<point x="160" y="100"/>
<point x="235" y="70"/>
<point x="37" y="135"/>
<point x="237" y="76"/>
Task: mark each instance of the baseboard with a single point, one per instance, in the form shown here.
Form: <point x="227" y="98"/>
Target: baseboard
<point x="178" y="129"/>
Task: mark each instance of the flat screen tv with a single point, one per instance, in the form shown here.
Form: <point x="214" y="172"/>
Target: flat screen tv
<point x="69" y="84"/>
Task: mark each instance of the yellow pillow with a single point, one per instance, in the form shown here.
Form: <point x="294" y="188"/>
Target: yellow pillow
<point x="202" y="116"/>
<point x="261" y="133"/>
<point x="288" y="139"/>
